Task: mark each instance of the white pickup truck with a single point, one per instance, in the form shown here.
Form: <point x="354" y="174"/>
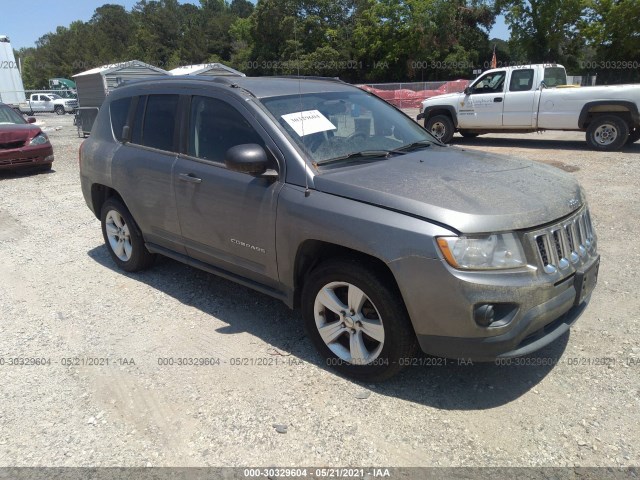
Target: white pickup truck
<point x="48" y="102"/>
<point x="533" y="98"/>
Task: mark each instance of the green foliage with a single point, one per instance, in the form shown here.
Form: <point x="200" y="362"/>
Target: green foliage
<point x="358" y="40"/>
<point x="545" y="30"/>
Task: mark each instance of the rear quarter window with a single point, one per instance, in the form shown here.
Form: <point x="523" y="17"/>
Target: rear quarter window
<point x="119" y="110"/>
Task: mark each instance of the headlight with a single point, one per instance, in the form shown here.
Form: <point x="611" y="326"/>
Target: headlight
<point x="39" y="139"/>
<point x="487" y="252"/>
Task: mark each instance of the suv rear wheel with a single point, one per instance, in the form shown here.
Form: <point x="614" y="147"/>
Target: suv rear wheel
<point x="123" y="238"/>
<point x="607" y="133"/>
<point x="356" y="321"/>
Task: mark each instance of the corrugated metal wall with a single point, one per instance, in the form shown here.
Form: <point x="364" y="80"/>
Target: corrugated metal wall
<point x="129" y="73"/>
<point x="91" y="90"/>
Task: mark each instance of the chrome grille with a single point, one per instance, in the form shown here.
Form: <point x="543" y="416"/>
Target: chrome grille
<point x="564" y="243"/>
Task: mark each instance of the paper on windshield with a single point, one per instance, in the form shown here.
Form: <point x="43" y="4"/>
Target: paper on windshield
<point x="306" y="123"/>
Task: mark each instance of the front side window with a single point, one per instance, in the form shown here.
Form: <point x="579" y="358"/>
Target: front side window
<point x="490" y="83"/>
<point x="215" y="127"/>
<point x="521" y="80"/>
<point x="328" y="126"/>
<point x="157" y="128"/>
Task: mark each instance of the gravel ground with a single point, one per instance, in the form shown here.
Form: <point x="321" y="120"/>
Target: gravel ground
<point x="61" y="298"/>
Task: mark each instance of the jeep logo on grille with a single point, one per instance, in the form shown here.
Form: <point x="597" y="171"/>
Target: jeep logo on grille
<point x="574" y="203"/>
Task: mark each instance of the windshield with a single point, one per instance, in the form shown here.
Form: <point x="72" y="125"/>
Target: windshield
<point x="54" y="96"/>
<point x="9" y="116"/>
<point x="335" y="125"/>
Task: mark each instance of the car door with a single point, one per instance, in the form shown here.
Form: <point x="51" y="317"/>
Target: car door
<point x="38" y="103"/>
<point x="142" y="167"/>
<point x="482" y="106"/>
<point x="227" y="218"/>
<point x="520" y="99"/>
<point x="47" y="103"/>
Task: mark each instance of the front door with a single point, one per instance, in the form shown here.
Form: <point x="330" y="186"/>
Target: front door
<point x="227" y="218"/>
<point x="482" y="107"/>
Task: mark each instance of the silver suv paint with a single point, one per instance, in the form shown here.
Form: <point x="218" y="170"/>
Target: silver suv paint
<point x="333" y="201"/>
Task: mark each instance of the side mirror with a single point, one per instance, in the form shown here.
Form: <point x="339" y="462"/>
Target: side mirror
<point x="247" y="158"/>
<point x="31" y="119"/>
<point x="467" y="90"/>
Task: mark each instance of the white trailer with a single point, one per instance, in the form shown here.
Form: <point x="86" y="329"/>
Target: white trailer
<point x="11" y="87"/>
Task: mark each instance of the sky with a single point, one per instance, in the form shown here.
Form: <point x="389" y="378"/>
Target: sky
<point x="24" y="23"/>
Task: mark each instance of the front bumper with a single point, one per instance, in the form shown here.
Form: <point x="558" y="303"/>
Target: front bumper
<point x="26" y="157"/>
<point x="533" y="305"/>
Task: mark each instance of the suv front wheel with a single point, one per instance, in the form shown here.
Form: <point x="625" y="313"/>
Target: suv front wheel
<point x="123" y="238"/>
<point x="356" y="321"/>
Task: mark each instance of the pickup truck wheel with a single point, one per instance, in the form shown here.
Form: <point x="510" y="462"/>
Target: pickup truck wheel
<point x="466" y="134"/>
<point x="356" y="321"/>
<point x="59" y="110"/>
<point x="441" y="127"/>
<point x="123" y="238"/>
<point x="607" y="133"/>
<point x="634" y="135"/>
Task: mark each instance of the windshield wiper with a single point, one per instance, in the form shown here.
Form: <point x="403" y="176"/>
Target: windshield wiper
<point x="362" y="154"/>
<point x="411" y="146"/>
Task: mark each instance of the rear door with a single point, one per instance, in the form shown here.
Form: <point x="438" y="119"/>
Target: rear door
<point x="37" y="103"/>
<point x="482" y="107"/>
<point x="227" y="218"/>
<point x="142" y="167"/>
<point x="520" y="98"/>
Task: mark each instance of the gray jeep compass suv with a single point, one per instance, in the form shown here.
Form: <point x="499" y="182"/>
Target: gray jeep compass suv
<point x="328" y="198"/>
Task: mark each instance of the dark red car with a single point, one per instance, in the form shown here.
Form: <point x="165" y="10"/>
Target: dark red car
<point x="22" y="144"/>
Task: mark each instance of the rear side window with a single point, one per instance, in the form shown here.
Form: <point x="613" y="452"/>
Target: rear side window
<point x="554" y="76"/>
<point x="215" y="127"/>
<point x="119" y="112"/>
<point x="154" y="121"/>
<point x="521" y="80"/>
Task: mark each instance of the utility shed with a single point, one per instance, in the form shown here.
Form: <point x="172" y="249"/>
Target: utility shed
<point x="207" y="70"/>
<point x="94" y="85"/>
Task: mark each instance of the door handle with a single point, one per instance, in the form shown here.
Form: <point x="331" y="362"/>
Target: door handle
<point x="497" y="99"/>
<point x="189" y="177"/>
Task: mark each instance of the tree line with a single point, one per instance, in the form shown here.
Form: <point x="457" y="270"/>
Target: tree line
<point x="357" y="40"/>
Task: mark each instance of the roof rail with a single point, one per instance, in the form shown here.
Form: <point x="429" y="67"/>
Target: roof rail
<point x="309" y="77"/>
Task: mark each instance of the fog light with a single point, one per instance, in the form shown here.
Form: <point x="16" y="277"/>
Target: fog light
<point x="484" y="315"/>
<point x="49" y="158"/>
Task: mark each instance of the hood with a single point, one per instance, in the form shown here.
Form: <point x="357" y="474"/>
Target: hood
<point x="469" y="191"/>
<point x="438" y="98"/>
<point x="17" y="133"/>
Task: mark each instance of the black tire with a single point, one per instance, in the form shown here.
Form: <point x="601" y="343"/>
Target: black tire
<point x="383" y="304"/>
<point x="45" y="167"/>
<point x="634" y="136"/>
<point x="441" y="127"/>
<point x="466" y="134"/>
<point x="59" y="110"/>
<point x="140" y="258"/>
<point x="607" y="133"/>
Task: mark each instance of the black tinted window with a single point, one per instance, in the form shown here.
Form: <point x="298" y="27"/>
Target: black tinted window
<point x="136" y="130"/>
<point x="215" y="127"/>
<point x="159" y="121"/>
<point x="119" y="112"/>
<point x="521" y="80"/>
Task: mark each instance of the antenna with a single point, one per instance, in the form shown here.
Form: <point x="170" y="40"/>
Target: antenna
<point x="307" y="192"/>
